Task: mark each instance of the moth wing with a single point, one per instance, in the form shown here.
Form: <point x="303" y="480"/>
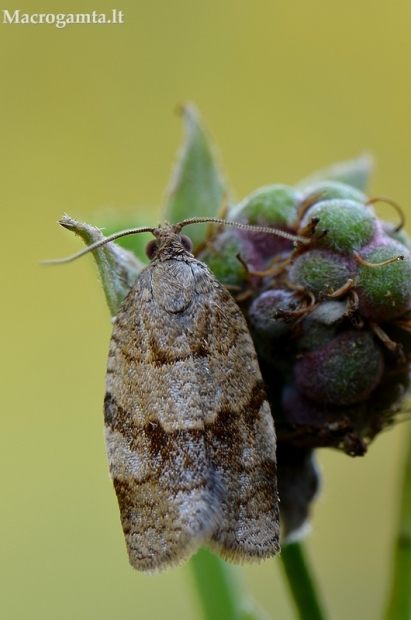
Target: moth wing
<point x="190" y="435"/>
<point x="240" y="433"/>
<point x="168" y="491"/>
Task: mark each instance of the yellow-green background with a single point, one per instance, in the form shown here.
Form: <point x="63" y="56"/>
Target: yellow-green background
<point x="87" y="121"/>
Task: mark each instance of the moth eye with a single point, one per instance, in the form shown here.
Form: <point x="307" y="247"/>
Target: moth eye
<point x="151" y="248"/>
<point x="187" y="243"/>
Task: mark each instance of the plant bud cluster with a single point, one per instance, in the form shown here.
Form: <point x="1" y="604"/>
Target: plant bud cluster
<point x="330" y="318"/>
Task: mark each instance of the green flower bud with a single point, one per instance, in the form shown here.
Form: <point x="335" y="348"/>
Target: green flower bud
<point x="349" y="224"/>
<point x="384" y="292"/>
<point x="329" y="190"/>
<point x="316" y="270"/>
<point x="222" y="257"/>
<point x="272" y="205"/>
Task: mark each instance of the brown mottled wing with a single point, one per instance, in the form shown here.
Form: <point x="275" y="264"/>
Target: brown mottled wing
<point x="240" y="432"/>
<point x="189" y="434"/>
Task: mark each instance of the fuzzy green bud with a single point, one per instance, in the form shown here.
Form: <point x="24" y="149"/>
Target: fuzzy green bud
<point x="272" y="205"/>
<point x="328" y="190"/>
<point x="222" y="257"/>
<point x="384" y="292"/>
<point x="349" y="224"/>
<point x="316" y="270"/>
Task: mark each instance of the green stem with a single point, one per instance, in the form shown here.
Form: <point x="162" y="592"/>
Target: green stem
<point x="399" y="603"/>
<point x="301" y="582"/>
<point x="221" y="590"/>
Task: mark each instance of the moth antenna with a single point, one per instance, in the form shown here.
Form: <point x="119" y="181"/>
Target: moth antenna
<point x="177" y="228"/>
<point x="97" y="244"/>
<point x="261" y="229"/>
<point x="394" y="204"/>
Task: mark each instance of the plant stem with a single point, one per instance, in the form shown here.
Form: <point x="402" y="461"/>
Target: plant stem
<point x="301" y="582"/>
<point x="399" y="603"/>
<point x="221" y="590"/>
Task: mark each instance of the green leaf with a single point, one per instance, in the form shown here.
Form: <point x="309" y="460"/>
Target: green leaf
<point x="221" y="590"/>
<point x="355" y="172"/>
<point x="197" y="187"/>
<point x="118" y="267"/>
<point x="114" y="220"/>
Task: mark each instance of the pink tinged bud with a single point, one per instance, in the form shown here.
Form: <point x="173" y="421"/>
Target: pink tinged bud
<point x="222" y="257"/>
<point x="343" y="372"/>
<point x="262" y="313"/>
<point x="274" y="206"/>
<point x="320" y="326"/>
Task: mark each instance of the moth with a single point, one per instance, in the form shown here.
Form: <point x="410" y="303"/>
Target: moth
<point x="189" y="433"/>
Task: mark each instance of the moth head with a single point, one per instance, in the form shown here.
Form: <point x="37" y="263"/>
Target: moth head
<point x="168" y="242"/>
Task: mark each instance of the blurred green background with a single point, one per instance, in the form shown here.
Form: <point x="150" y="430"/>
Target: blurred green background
<point x="87" y="122"/>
